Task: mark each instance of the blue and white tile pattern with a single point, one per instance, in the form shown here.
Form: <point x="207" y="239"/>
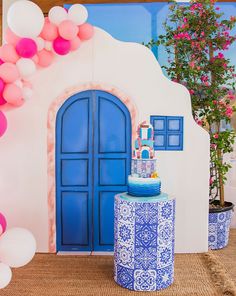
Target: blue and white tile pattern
<point x="144" y="244"/>
<point x="218" y="231"/>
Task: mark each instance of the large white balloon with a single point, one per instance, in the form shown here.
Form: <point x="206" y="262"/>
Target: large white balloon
<point x="78" y="14"/>
<point x="26" y="67"/>
<point x="17" y="247"/>
<point x="57" y="14"/>
<point x="25" y="19"/>
<point x="5" y="275"/>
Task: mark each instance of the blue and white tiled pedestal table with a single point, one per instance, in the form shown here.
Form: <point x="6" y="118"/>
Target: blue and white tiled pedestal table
<point x="144" y="242"/>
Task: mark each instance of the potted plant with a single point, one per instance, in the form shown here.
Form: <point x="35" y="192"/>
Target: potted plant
<point x="196" y="36"/>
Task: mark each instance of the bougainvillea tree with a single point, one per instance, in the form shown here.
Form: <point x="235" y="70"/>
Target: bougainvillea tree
<point x="196" y="38"/>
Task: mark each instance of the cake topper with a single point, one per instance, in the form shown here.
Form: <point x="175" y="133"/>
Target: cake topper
<point x="144" y="142"/>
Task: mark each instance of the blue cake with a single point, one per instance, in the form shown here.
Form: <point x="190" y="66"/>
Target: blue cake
<point x="144" y="186"/>
<point x="144" y="180"/>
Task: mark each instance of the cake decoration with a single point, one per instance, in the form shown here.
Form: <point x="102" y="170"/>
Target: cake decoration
<point x="144" y="180"/>
<point x="144" y="142"/>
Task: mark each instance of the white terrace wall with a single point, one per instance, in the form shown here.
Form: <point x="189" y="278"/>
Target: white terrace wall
<point x="132" y="69"/>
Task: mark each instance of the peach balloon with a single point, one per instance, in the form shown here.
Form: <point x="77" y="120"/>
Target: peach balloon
<point x="12" y="94"/>
<point x="68" y="30"/>
<point x="9" y="72"/>
<point x="45" y="58"/>
<point x="49" y="31"/>
<point x="11" y="37"/>
<point x="35" y="58"/>
<point x="8" y="53"/>
<point x="86" y="31"/>
<point x="75" y="44"/>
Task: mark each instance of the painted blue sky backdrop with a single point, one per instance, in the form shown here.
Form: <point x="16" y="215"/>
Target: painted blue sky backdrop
<point x="140" y="22"/>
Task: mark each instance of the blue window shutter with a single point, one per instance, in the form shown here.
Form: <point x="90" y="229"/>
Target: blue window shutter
<point x="168" y="132"/>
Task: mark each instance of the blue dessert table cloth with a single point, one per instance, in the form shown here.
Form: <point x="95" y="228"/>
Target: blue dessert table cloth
<point x="144" y="242"/>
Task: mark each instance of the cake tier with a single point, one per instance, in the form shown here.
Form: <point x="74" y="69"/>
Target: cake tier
<point x="143" y="168"/>
<point x="144" y="186"/>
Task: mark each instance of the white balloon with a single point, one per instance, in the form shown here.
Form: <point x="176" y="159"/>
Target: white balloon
<point x="17" y="247"/>
<point x="78" y="14"/>
<point x="27" y="93"/>
<point x="26" y="67"/>
<point x="48" y="45"/>
<point x="57" y="14"/>
<point x="5" y="275"/>
<point x="40" y="43"/>
<point x="25" y="19"/>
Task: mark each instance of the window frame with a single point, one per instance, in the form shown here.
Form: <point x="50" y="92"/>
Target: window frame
<point x="166" y="132"/>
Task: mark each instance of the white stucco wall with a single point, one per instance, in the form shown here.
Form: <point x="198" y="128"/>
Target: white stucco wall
<point x="133" y="69"/>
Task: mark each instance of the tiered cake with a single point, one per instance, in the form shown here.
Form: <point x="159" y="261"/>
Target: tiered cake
<point x="144" y="180"/>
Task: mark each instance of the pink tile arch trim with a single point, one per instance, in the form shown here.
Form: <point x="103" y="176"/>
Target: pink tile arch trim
<point x="52" y="113"/>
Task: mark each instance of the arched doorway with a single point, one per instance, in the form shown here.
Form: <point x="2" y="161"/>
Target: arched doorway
<point x="93" y="154"/>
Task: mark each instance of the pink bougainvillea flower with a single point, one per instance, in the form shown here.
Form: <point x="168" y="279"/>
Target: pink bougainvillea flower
<point x="200" y="122"/>
<point x="204" y="78"/>
<point x="192" y="64"/>
<point x="191" y="91"/>
<point x="216" y="136"/>
<point x="230" y="95"/>
<point x="229" y="112"/>
<point x="220" y="55"/>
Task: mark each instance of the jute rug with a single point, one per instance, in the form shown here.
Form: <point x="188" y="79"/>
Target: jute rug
<point x="52" y="275"/>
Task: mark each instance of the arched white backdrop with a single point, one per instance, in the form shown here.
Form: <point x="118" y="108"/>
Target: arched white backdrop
<point x="132" y="69"/>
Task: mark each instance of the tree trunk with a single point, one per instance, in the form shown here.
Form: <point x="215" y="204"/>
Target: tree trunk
<point x="219" y="152"/>
<point x="221" y="181"/>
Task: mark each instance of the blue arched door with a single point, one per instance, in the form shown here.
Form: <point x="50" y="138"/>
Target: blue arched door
<point x="93" y="154"/>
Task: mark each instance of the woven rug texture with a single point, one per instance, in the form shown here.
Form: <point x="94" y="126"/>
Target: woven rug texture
<point x="209" y="274"/>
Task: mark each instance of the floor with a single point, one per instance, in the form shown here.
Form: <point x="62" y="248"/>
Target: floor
<point x="52" y="275"/>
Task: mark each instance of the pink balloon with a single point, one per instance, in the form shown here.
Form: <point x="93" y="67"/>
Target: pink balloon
<point x="9" y="72"/>
<point x="68" y="30"/>
<point x="13" y="94"/>
<point x="8" y="53"/>
<point x="2" y="100"/>
<point x="3" y="123"/>
<point x="45" y="58"/>
<point x="11" y="37"/>
<point x="61" y="46"/>
<point x="2" y="85"/>
<point x="3" y="222"/>
<point x="26" y="48"/>
<point x="50" y="31"/>
<point x="86" y="31"/>
<point x="75" y="44"/>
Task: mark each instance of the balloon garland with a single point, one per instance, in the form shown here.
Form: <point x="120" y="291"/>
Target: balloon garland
<point x="32" y="41"/>
<point x="17" y="248"/>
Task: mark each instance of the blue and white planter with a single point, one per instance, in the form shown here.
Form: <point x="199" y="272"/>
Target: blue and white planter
<point x="219" y="225"/>
<point x="144" y="243"/>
